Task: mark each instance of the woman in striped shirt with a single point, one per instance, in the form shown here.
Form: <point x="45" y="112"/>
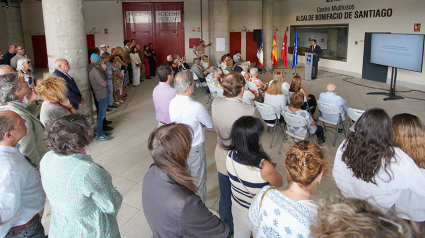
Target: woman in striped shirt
<point x="249" y="170"/>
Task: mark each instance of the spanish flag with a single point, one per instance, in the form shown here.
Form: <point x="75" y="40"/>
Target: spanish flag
<point x="274" y="51"/>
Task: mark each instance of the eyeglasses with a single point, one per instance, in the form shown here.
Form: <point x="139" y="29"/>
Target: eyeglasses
<point x="20" y="49"/>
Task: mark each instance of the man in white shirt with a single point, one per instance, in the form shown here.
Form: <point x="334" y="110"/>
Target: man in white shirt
<point x="183" y="109"/>
<point x="21" y="192"/>
<point x="331" y="97"/>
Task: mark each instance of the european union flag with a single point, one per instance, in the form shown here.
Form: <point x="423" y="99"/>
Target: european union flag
<point x="295" y="51"/>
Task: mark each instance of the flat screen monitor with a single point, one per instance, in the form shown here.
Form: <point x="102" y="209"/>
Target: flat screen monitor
<point x="403" y="51"/>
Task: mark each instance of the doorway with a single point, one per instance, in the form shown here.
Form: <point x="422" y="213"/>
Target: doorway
<point x="158" y="23"/>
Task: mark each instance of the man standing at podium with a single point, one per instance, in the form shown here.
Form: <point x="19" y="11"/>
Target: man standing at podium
<point x="316" y="50"/>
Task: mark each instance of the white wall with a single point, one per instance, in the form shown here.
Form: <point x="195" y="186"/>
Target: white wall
<point x="405" y="14"/>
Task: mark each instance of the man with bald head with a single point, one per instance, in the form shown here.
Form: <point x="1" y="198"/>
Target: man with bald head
<point x="62" y="68"/>
<point x="20" y="186"/>
<point x="331" y="97"/>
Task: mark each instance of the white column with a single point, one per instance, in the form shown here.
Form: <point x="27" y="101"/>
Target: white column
<point x="243" y="45"/>
<point x="219" y="14"/>
<point x="66" y="38"/>
<point x="13" y="23"/>
<point x="268" y="13"/>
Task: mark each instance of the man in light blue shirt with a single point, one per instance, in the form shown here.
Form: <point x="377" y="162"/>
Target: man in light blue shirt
<point x="22" y="195"/>
<point x="331" y="97"/>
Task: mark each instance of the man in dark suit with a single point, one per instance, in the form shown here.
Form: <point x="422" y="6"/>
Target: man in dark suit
<point x="74" y="96"/>
<point x="317" y="51"/>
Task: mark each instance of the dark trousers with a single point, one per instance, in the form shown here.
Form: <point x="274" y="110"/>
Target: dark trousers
<point x="281" y="120"/>
<point x="130" y="74"/>
<point x="311" y="103"/>
<point x="319" y="133"/>
<point x="33" y="230"/>
<point x="152" y="65"/>
<point x="225" y="204"/>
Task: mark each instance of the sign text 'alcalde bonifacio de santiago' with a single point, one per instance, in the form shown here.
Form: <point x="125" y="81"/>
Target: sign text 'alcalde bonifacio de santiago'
<point x="335" y="13"/>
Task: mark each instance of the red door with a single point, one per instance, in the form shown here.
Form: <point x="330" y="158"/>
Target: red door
<point x="235" y="42"/>
<point x="40" y="51"/>
<point x="251" y="47"/>
<point x="158" y="23"/>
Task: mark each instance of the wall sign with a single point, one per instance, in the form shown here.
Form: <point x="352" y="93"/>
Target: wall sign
<point x="338" y="12"/>
<point x="417" y="27"/>
<point x="139" y="17"/>
<point x="168" y="16"/>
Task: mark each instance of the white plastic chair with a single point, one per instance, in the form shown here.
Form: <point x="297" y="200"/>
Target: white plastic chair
<point x="267" y="110"/>
<point x="331" y="109"/>
<point x="353" y="115"/>
<point x="198" y="84"/>
<point x="294" y="121"/>
<point x="225" y="72"/>
<point x="214" y="93"/>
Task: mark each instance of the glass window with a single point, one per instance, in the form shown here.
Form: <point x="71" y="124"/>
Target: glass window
<point x="332" y="39"/>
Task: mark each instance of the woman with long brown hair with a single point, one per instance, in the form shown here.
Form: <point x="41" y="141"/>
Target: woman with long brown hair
<point x="295" y="87"/>
<point x="170" y="204"/>
<point x="409" y="134"/>
<point x="369" y="165"/>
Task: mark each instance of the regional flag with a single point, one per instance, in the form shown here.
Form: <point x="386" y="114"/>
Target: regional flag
<point x="274" y="51"/>
<point x="260" y="51"/>
<point x="284" y="53"/>
<point x="295" y="52"/>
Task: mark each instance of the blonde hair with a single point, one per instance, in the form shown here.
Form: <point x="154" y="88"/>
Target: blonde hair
<point x="409" y="134"/>
<point x="51" y="88"/>
<point x="275" y="87"/>
<point x="204" y="57"/>
<point x="355" y="218"/>
<point x="279" y="76"/>
<point x="116" y="51"/>
<point x="253" y="72"/>
<point x="229" y="62"/>
<point x="20" y="63"/>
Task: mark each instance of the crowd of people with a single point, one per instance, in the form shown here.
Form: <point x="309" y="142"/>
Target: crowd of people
<point x="379" y="169"/>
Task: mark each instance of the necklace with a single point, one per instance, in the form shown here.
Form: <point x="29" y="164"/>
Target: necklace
<point x="299" y="193"/>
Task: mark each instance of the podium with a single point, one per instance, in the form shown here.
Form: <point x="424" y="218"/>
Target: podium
<point x="308" y="65"/>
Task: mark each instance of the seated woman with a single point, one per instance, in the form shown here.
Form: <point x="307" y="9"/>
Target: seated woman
<point x="181" y="62"/>
<point x="297" y="101"/>
<point x="170" y="204"/>
<point x="262" y="87"/>
<point x="223" y="61"/>
<point x="290" y="211"/>
<point x="205" y="62"/>
<point x="249" y="169"/>
<point x="23" y="67"/>
<point x="245" y="69"/>
<point x="274" y="97"/>
<point x="409" y="134"/>
<point x="355" y="218"/>
<point x="295" y="87"/>
<point x="52" y="90"/>
<point x="172" y="64"/>
<point x="369" y="165"/>
<point x="280" y="77"/>
<point x="229" y="64"/>
<point x="83" y="199"/>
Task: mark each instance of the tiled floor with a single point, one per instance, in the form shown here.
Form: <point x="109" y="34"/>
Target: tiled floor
<point x="127" y="158"/>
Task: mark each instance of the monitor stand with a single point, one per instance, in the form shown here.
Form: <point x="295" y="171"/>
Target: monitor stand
<point x="391" y="95"/>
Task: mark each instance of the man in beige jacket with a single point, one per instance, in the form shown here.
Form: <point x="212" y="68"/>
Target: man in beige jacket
<point x="225" y="111"/>
<point x="22" y="100"/>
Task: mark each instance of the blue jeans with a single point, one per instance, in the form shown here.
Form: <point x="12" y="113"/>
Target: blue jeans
<point x="101" y="113"/>
<point x="319" y="133"/>
<point x="111" y="91"/>
<point x="225" y="204"/>
<point x="33" y="230"/>
<point x="125" y="82"/>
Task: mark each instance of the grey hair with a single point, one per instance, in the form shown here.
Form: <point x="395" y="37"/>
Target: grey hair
<point x="253" y="72"/>
<point x="20" y="64"/>
<point x="245" y="66"/>
<point x="195" y="60"/>
<point x="9" y="83"/>
<point x="175" y="56"/>
<point x="169" y="57"/>
<point x="6" y="123"/>
<point x="330" y="88"/>
<point x="105" y="55"/>
<point x="239" y="61"/>
<point x="217" y="72"/>
<point x="183" y="80"/>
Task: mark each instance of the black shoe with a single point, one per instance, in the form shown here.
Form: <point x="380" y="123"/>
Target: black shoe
<point x="108" y="128"/>
<point x="113" y="107"/>
<point x="106" y="122"/>
<point x="108" y="110"/>
<point x="340" y="130"/>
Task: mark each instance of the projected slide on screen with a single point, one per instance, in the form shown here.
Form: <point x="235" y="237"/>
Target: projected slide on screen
<point x="398" y="50"/>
